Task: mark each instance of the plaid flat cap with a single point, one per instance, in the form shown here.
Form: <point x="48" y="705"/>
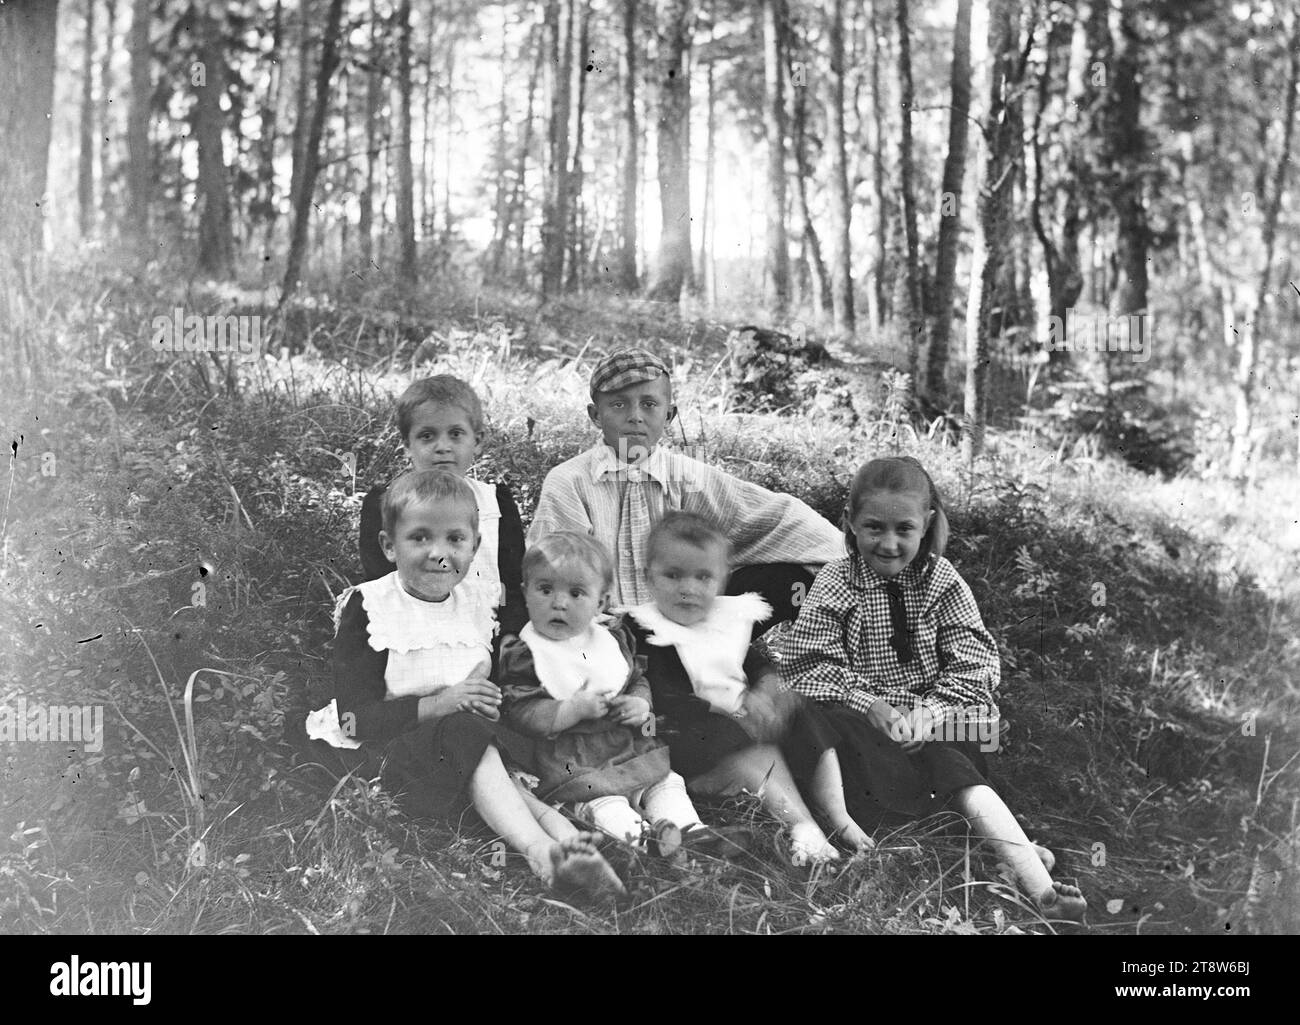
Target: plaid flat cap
<point x="625" y="367"/>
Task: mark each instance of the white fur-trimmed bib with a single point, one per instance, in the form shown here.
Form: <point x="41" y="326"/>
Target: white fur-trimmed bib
<point x="565" y="667"/>
<point x="713" y="650"/>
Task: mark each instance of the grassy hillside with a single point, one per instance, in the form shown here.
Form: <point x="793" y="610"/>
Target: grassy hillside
<point x="1148" y="630"/>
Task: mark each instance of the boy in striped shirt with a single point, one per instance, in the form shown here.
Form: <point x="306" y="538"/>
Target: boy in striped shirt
<point x="617" y="490"/>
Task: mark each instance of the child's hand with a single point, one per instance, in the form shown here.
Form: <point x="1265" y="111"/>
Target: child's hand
<point x="587" y="704"/>
<point x="890" y="721"/>
<point x="629" y="710"/>
<point x="475" y="693"/>
<point x="921" y="725"/>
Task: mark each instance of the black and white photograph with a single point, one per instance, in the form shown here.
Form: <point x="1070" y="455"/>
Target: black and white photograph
<point x="652" y="467"/>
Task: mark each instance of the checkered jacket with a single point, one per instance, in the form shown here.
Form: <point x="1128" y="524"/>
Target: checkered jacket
<point x="838" y="650"/>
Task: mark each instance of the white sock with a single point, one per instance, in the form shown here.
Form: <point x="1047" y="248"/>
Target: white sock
<point x="668" y="799"/>
<point x="612" y="815"/>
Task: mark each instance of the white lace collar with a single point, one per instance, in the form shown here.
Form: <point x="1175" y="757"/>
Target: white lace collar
<point x="726" y="613"/>
<point x="400" y="622"/>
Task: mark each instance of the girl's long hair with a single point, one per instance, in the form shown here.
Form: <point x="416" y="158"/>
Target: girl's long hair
<point x="905" y="475"/>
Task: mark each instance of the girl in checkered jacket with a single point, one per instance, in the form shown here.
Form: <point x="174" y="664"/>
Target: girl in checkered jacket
<point x="891" y="644"/>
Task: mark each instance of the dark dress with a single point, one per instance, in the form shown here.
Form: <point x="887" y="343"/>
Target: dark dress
<point x="596" y="758"/>
<point x="883" y="784"/>
<point x="427" y="765"/>
<point x="510" y="553"/>
<point x="699" y="738"/>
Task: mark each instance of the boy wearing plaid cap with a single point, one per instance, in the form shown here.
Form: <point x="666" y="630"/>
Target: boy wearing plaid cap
<point x="617" y="490"/>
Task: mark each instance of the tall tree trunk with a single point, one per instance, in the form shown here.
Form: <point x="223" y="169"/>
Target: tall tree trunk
<point x="329" y="60"/>
<point x="1127" y="144"/>
<point x="366" y="201"/>
<point x="915" y="310"/>
<point x="216" y="245"/>
<point x="537" y="41"/>
<point x="1060" y="260"/>
<point x="402" y="151"/>
<point x="708" y="270"/>
<point x="577" y="216"/>
<point x="673" y="272"/>
<point x="776" y="260"/>
<point x="264" y="208"/>
<point x="954" y="170"/>
<point x="994" y="222"/>
<point x="86" y="141"/>
<point x="28" y="41"/>
<point x="628" y="278"/>
<point x="139" y="175"/>
<point x="1253" y="338"/>
<point x="449" y="95"/>
<point x="428" y="156"/>
<point x="107" y="131"/>
<point x="841" y="201"/>
<point x="810" y="244"/>
<point x="878" y="173"/>
<point x="501" y="212"/>
<point x="555" y="210"/>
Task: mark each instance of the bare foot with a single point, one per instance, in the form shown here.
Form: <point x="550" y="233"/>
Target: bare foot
<point x="577" y="867"/>
<point x="809" y="846"/>
<point x="852" y="835"/>
<point x="1062" y="901"/>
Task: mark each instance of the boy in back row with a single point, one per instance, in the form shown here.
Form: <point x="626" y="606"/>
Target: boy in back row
<point x="620" y="488"/>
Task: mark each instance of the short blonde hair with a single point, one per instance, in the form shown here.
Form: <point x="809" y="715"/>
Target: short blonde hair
<point x="568" y="547"/>
<point x="421" y="486"/>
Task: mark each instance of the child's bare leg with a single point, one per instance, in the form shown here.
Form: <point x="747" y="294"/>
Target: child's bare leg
<point x="991" y="818"/>
<point x="762" y="769"/>
<point x="553" y="821"/>
<point x="571" y="861"/>
<point x="828" y="793"/>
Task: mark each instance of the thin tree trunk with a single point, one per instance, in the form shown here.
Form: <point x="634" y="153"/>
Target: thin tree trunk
<point x="628" y="279"/>
<point x="86" y="141"/>
<point x="303" y="99"/>
<point x="878" y="175"/>
<point x="673" y="272"/>
<point x="1253" y="338"/>
<point x="402" y="153"/>
<point x="954" y="170"/>
<point x="517" y="202"/>
<point x="374" y="82"/>
<point x="106" y="126"/>
<point x="139" y="157"/>
<point x="810" y="243"/>
<point x="216" y="246"/>
<point x="915" y="311"/>
<point x="501" y="212"/>
<point x="708" y="270"/>
<point x="428" y="155"/>
<point x="776" y="269"/>
<point x="1064" y="276"/>
<point x="329" y="60"/>
<point x="577" y="225"/>
<point x="555" y="211"/>
<point x="1129" y="147"/>
<point x="994" y="215"/>
<point x="841" y="202"/>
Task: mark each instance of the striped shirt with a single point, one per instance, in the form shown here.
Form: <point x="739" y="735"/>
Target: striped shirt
<point x="838" y="650"/>
<point x="586" y="494"/>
